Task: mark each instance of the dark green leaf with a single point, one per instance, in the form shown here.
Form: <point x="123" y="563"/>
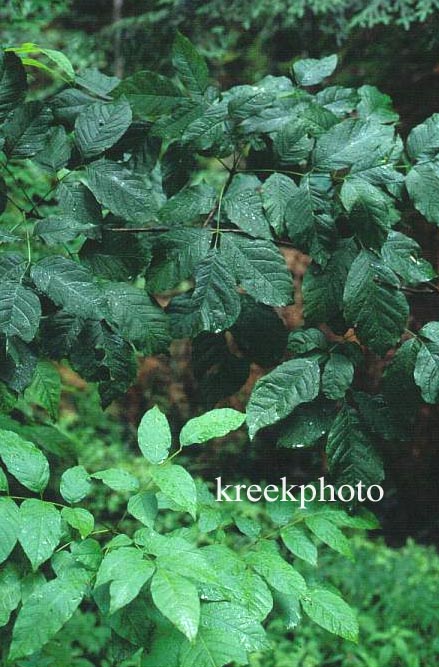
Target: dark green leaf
<point x="374" y="304"/>
<point x="279" y="392"/>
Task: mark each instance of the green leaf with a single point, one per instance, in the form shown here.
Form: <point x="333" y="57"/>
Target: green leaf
<point x="190" y="66"/>
<point x="375" y="105"/>
<point x="237" y="621"/>
<point x="208" y="128"/>
<point x="12" y="266"/>
<point x="422" y="183"/>
<point x="75" y="484"/>
<point x="243" y="206"/>
<point x="118" y="479"/>
<point x="34" y="626"/>
<point x="292" y="144"/>
<point x="149" y="94"/>
<point x="96" y="82"/>
<point x="279" y="392"/>
<point x="328" y="533"/>
<point x="177" y="598"/>
<point x="337" y="376"/>
<point x="125" y="194"/>
<point x="259" y="268"/>
<point x="12" y="83"/>
<point x="26" y="130"/>
<point x="127" y="571"/>
<point x="371" y="211"/>
<point x="56" y="151"/>
<point x="115" y="256"/>
<point x="154" y="434"/>
<point x="212" y="648"/>
<point x="176" y="254"/>
<point x="9" y="527"/>
<point x="100" y="126"/>
<point x="24" y="461"/>
<point x="213" y="424"/>
<point x="10" y="592"/>
<point x="45" y="389"/>
<point x="177" y="484"/>
<point x="353" y="143"/>
<point x="323" y="288"/>
<point x="69" y="285"/>
<point x="59" y="58"/>
<point x="20" y="311"/>
<point x="40" y="530"/>
<point x="306" y="425"/>
<point x="277" y="190"/>
<point x="310" y="71"/>
<point x="374" y="304"/>
<point x="401" y="254"/>
<point x="143" y="507"/>
<point x="297" y="541"/>
<point x="80" y="519"/>
<point x="187" y="205"/>
<point x="137" y="318"/>
<point x="352" y="457"/>
<point x="426" y="373"/>
<point x="331" y="612"/>
<point x="309" y="220"/>
<point x="423" y="140"/>
<point x="214" y="304"/>
<point x="307" y="340"/>
<point x="276" y="571"/>
<point x="4" y="486"/>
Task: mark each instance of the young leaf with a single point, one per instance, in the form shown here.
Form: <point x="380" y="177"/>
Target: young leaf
<point x="127" y="571"/>
<point x="276" y="395"/>
<point x="328" y="533"/>
<point x="75" y="484"/>
<point x="143" y="507"/>
<point x="177" y="484"/>
<point x="34" y="626"/>
<point x="118" y="479"/>
<point x="154" y="435"/>
<point x="9" y="527"/>
<point x="24" y="461"/>
<point x="331" y="612"/>
<point x="10" y="592"/>
<point x="276" y="571"/>
<point x="177" y="598"/>
<point x="40" y="530"/>
<point x="80" y="519"/>
<point x="297" y="541"/>
<point x="213" y="424"/>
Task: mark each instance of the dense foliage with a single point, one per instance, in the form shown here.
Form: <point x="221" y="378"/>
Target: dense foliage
<point x="194" y="595"/>
<point x="169" y="209"/>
